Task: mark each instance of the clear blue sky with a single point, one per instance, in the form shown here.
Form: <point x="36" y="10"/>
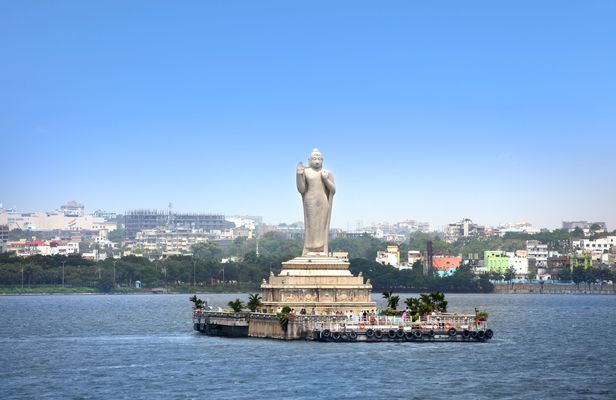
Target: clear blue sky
<point x="494" y="110"/>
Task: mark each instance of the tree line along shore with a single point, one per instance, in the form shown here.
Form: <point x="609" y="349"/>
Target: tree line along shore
<point x="244" y="270"/>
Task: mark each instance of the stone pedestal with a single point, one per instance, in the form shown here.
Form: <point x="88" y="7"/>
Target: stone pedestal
<point x="322" y="283"/>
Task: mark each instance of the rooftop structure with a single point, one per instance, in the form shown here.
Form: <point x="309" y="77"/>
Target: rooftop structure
<point x="73" y="209"/>
<point x="445" y="265"/>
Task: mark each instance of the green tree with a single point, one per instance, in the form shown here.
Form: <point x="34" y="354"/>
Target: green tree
<point x="509" y="274"/>
<point x="208" y="251"/>
<point x="198" y="303"/>
<point x="283" y="317"/>
<point x="236" y="305"/>
<point x="392" y="302"/>
<point x="426" y="304"/>
<point x="578" y="275"/>
<point x="116" y="236"/>
<point x="254" y="302"/>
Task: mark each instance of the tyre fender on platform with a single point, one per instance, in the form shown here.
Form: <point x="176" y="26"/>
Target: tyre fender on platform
<point x="489" y="333"/>
<point x="378" y="334"/>
<point x="452" y="332"/>
<point x="417" y="334"/>
<point x="370" y="332"/>
<point x="326" y="333"/>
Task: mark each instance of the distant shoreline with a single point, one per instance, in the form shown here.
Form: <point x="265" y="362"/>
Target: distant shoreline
<point x="7" y="290"/>
<point x="508" y="288"/>
<point x="554" y="288"/>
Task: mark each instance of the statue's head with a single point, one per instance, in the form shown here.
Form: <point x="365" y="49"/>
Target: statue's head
<point x="316" y="159"/>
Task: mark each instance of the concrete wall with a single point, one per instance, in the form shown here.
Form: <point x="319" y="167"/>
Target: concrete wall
<point x="267" y="326"/>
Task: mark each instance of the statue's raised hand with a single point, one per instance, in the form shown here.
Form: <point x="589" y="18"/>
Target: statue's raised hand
<point x="324" y="174"/>
<point x="300" y="168"/>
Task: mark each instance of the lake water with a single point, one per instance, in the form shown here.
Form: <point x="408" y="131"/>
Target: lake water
<point x="143" y="346"/>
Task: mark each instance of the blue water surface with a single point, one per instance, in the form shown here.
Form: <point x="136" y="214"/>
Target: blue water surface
<point x="143" y="346"/>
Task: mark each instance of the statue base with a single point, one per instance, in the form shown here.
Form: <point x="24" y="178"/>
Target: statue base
<point x="317" y="284"/>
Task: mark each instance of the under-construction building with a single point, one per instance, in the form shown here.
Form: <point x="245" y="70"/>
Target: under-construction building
<point x="138" y="220"/>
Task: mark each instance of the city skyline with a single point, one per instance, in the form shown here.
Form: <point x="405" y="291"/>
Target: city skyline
<point x="498" y="113"/>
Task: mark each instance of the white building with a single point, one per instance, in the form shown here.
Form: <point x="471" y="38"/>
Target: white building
<point x="414" y="256"/>
<point x="537" y="251"/>
<point x="464" y="227"/>
<point x="73" y="209"/>
<point x="412" y="225"/>
<point x="42" y="221"/>
<point x="26" y="248"/>
<point x="164" y="241"/>
<point x="517" y="227"/>
<point x="597" y="248"/>
<point x="242" y="222"/>
<point x="518" y="262"/>
<point x="391" y="256"/>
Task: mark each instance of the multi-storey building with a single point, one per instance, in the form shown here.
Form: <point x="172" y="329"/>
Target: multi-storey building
<point x="391" y="256"/>
<point x="596" y="248"/>
<point x="462" y="228"/>
<point x="414" y="256"/>
<point x="54" y="221"/>
<point x="443" y="265"/>
<point x="162" y="241"/>
<point x="496" y="261"/>
<point x="139" y="220"/>
<point x="557" y="265"/>
<point x="538" y="252"/>
<point x="73" y="209"/>
<point x="571" y="225"/>
<point x="412" y="225"/>
<point x="4" y="237"/>
<point x="26" y="248"/>
<point x="516" y="227"/>
<point x="518" y="262"/>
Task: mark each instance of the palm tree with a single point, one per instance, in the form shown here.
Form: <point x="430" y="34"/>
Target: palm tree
<point x="438" y="301"/>
<point x="236" y="305"/>
<point x="254" y="302"/>
<point x="427" y="303"/>
<point x="197" y="301"/>
<point x="393" y="301"/>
